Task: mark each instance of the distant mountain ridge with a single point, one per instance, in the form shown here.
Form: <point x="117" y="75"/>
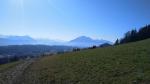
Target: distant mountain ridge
<point x="84" y="41"/>
<point x="81" y="41"/>
<point x="24" y="40"/>
<point x="16" y="40"/>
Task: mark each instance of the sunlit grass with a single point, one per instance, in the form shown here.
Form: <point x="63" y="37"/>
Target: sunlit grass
<point x="123" y="64"/>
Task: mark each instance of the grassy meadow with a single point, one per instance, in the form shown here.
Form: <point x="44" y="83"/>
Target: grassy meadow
<point x="123" y="64"/>
<point x="5" y="67"/>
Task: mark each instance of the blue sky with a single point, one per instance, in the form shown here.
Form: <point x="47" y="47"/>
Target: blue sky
<point x="68" y="19"/>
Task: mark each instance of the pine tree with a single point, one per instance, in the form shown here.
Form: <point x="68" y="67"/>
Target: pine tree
<point x="117" y="42"/>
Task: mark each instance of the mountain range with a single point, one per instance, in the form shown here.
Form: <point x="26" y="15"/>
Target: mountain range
<point x="84" y="41"/>
<point x="81" y="41"/>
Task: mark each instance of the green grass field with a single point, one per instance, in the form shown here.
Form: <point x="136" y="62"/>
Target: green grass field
<point x="5" y="67"/>
<point x="123" y="64"/>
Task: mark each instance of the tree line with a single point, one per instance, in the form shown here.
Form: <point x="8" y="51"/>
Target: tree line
<point x="134" y="35"/>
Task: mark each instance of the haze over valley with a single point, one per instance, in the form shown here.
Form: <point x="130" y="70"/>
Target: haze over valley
<point x="81" y="41"/>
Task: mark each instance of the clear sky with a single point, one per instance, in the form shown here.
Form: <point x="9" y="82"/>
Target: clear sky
<point x="68" y="19"/>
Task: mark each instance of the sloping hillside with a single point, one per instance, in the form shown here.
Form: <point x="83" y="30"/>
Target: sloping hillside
<point x="123" y="64"/>
<point x="10" y="73"/>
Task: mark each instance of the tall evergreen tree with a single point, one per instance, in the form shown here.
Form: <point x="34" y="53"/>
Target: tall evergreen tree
<point x="117" y="42"/>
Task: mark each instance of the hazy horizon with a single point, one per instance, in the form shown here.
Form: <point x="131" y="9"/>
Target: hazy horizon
<point x="57" y="40"/>
<point x="68" y="19"/>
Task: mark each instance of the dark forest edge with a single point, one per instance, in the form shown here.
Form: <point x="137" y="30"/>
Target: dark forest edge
<point x="135" y="35"/>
